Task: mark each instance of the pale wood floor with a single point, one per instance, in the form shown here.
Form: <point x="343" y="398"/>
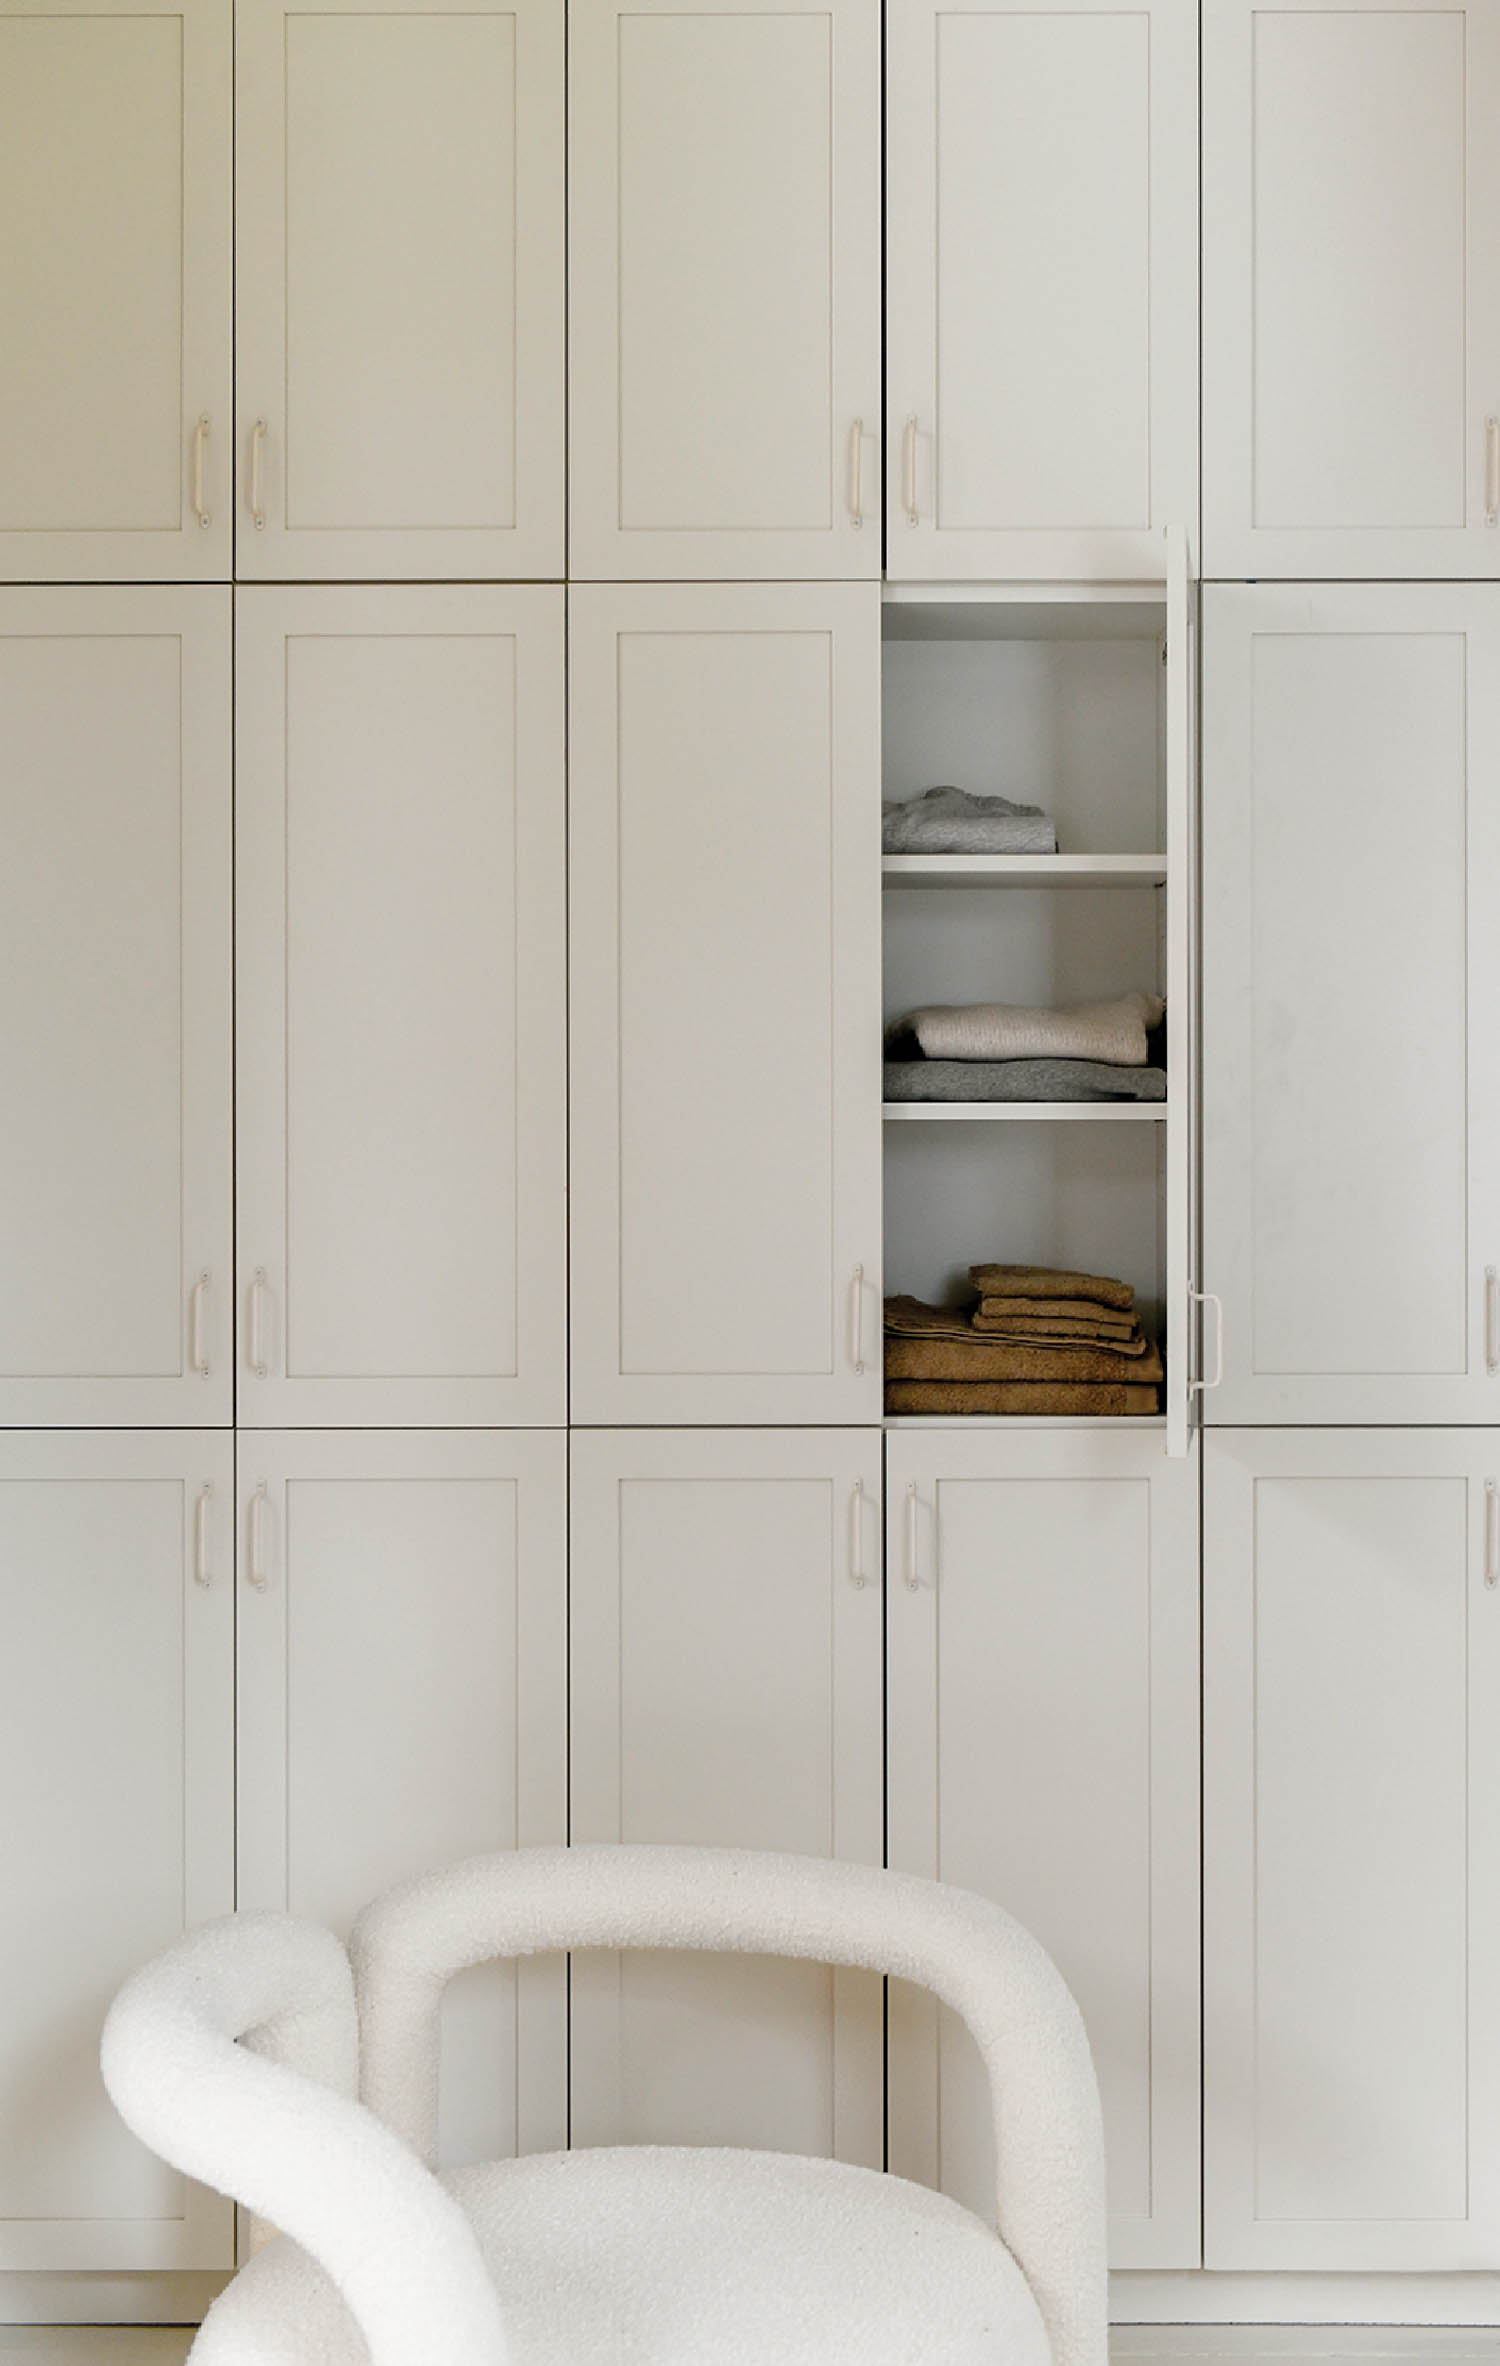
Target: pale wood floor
<point x="1133" y="2345"/>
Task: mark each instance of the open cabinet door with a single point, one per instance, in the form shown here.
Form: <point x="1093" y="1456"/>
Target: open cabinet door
<point x="1183" y="1382"/>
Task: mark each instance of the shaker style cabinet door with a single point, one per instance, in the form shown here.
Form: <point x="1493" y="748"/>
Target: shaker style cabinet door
<point x="724" y="274"/>
<point x="1352" y="1850"/>
<point x="725" y="1621"/>
<point x="117" y="1759"/>
<point x="399" y="297"/>
<point x="402" y="1703"/>
<point x="115" y="1184"/>
<point x="725" y="1009"/>
<point x="116" y="434"/>
<point x="1351" y="288"/>
<point x="402" y="987"/>
<point x="1351" y="1001"/>
<point x="1041" y="288"/>
<point x="1042" y="1649"/>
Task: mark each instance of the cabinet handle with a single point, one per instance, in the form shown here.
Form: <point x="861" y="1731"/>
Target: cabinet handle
<point x="202" y="1574"/>
<point x="1209" y="1298"/>
<point x="1492" y="472"/>
<point x="913" y="1574"/>
<point x="257" y="1323"/>
<point x="1491" y="1319"/>
<point x="200" y="438"/>
<point x="856" y="1534"/>
<point x="197" y="1358"/>
<point x="856" y="457"/>
<point x="909" y="470"/>
<point x="257" y="1569"/>
<point x="257" y="441"/>
<point x="1491" y="1533"/>
<point x="856" y="1318"/>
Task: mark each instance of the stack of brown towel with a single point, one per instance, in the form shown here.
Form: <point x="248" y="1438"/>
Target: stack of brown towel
<point x="1037" y="1341"/>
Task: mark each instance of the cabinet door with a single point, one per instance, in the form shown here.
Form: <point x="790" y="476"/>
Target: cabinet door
<point x="117" y="1760"/>
<point x="724" y="268"/>
<point x="402" y="1703"/>
<point x="401" y="1005"/>
<point x="1351" y="287"/>
<point x="115" y="272"/>
<point x="1352" y="1854"/>
<point x="1042" y="1646"/>
<point x="725" y="1014"/>
<point x="115" y="983"/>
<point x="1351" y="990"/>
<point x="1042" y="168"/>
<point x="725" y="1600"/>
<point x="399" y="294"/>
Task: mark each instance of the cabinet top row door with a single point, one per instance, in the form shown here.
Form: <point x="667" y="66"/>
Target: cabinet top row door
<point x="1351" y="288"/>
<point x="1042" y="288"/>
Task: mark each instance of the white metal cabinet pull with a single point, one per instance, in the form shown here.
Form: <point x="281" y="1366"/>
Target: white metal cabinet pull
<point x="909" y="470"/>
<point x="257" y="1569"/>
<point x="200" y="438"/>
<point x="202" y="1574"/>
<point x="257" y="1323"/>
<point x="856" y="1534"/>
<point x="1492" y="472"/>
<point x="1491" y="1319"/>
<point x="856" y="1318"/>
<point x="913" y="1573"/>
<point x="257" y="441"/>
<point x="856" y="458"/>
<point x="197" y="1355"/>
<point x="1491" y="1533"/>
<point x="1209" y="1298"/>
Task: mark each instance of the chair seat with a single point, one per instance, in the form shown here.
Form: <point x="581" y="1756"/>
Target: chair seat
<point x="646" y="2256"/>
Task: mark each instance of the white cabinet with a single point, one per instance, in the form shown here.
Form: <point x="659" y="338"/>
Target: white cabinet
<point x="1042" y="1649"/>
<point x="1042" y="288"/>
<point x="402" y="1703"/>
<point x="1351" y="1219"/>
<point x="1352" y="1852"/>
<point x="725" y="1619"/>
<point x="117" y="1767"/>
<point x="399" y="293"/>
<point x="115" y="983"/>
<point x="401" y="1008"/>
<point x="724" y="787"/>
<point x="115" y="272"/>
<point x="1351" y="288"/>
<point x="724" y="333"/>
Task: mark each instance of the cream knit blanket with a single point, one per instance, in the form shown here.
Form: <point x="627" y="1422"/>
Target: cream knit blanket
<point x="1112" y="1031"/>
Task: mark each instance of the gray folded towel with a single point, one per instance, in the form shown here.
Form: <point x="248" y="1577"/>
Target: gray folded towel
<point x="951" y="821"/>
<point x="1021" y="1080"/>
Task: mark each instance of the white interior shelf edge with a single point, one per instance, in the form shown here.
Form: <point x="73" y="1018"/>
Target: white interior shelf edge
<point x="1023" y="1112"/>
<point x="1024" y="870"/>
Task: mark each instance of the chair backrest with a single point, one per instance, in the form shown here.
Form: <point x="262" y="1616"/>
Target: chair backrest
<point x="234" y="2056"/>
<point x="1048" y="2140"/>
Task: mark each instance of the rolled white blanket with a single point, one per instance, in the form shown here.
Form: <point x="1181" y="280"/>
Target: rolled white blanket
<point x="1109" y="1031"/>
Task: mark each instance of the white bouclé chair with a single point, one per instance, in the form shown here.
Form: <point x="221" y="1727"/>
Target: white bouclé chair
<point x="630" y="2256"/>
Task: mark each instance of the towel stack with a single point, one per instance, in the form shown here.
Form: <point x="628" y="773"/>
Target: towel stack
<point x="999" y="1051"/>
<point x="951" y="821"/>
<point x="1038" y="1341"/>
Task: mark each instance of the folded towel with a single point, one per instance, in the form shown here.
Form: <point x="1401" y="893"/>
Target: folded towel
<point x="911" y="1318"/>
<point x="1114" y="1032"/>
<point x="1017" y="1396"/>
<point x="1107" y="1319"/>
<point x="1049" y="1281"/>
<point x="1021" y="1080"/>
<point x="999" y="1359"/>
<point x="951" y="821"/>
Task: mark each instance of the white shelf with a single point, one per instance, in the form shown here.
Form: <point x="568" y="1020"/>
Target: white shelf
<point x="1024" y="870"/>
<point x="1023" y="1112"/>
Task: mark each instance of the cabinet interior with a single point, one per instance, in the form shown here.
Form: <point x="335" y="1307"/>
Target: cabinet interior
<point x="1058" y="704"/>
